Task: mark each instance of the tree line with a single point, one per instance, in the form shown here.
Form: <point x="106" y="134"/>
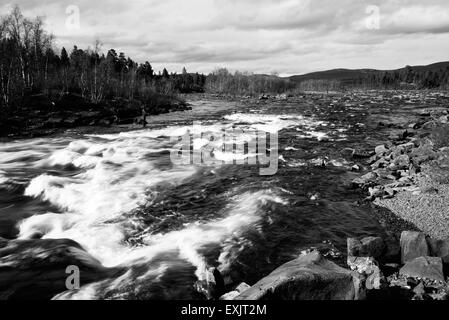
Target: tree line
<point x="243" y="83"/>
<point x="30" y="65"/>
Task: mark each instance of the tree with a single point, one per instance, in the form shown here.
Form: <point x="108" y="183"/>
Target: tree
<point x="165" y="74"/>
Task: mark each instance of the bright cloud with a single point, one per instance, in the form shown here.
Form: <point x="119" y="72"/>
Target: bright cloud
<point x="287" y="36"/>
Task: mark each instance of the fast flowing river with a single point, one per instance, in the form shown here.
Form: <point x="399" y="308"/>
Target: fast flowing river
<point x="128" y="204"/>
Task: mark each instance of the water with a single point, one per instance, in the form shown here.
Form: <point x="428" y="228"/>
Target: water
<point x="122" y="198"/>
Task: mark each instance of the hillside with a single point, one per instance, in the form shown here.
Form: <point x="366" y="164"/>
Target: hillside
<point x="352" y="76"/>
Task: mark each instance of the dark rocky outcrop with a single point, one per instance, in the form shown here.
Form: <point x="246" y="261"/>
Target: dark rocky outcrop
<point x="36" y="269"/>
<point x="310" y="277"/>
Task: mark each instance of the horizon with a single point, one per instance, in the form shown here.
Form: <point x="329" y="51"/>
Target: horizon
<point x="284" y="37"/>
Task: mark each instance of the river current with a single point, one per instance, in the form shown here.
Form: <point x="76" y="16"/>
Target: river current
<point x="124" y="200"/>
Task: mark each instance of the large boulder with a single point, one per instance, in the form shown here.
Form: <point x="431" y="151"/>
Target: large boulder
<point x="36" y="269"/>
<point x="424" y="267"/>
<point x="439" y="248"/>
<point x="309" y="277"/>
<point x="413" y="245"/>
<point x="367" y="247"/>
<point x="238" y="290"/>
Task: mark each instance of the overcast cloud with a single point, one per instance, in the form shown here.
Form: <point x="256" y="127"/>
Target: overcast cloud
<point x="263" y="36"/>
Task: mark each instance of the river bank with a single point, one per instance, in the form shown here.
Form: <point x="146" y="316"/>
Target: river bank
<point x="41" y="116"/>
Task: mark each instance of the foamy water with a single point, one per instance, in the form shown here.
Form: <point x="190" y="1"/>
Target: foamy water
<point x="108" y="176"/>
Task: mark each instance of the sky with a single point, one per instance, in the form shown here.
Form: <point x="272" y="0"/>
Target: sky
<point x="261" y="36"/>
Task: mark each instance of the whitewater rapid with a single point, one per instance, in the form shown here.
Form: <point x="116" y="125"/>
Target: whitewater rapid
<point x="108" y="176"/>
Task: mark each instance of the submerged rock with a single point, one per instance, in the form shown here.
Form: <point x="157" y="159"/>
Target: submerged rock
<point x="309" y="277"/>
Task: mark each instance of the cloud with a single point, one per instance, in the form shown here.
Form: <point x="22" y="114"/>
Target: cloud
<point x="289" y="36"/>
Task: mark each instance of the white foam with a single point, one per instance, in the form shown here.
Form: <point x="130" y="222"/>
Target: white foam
<point x="3" y="178"/>
<point x="116" y="170"/>
<point x="320" y="136"/>
<point x="270" y="123"/>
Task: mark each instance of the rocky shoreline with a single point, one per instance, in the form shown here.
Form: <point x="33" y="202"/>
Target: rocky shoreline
<point x="414" y="268"/>
<point x="408" y="185"/>
<point x="41" y="116"/>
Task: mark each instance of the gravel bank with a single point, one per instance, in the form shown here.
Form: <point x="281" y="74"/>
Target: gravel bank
<point x="427" y="207"/>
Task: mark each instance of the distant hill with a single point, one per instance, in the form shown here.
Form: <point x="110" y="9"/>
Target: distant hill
<point x="350" y="76"/>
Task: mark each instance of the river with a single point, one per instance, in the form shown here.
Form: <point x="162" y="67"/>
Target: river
<point x="128" y="204"/>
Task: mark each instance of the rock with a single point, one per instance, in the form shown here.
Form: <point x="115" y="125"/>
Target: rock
<point x="359" y="286"/>
<point x="372" y="159"/>
<point x="402" y="161"/>
<point x="381" y="163"/>
<point x="361" y="264"/>
<point x="355" y="168"/>
<point x="413" y="245"/>
<point x="309" y="277"/>
<point x="36" y="269"/>
<point x="282" y="96"/>
<point x="393" y="249"/>
<point x="381" y="150"/>
<point x="362" y="154"/>
<point x="419" y="292"/>
<point x="238" y="290"/>
<point x="424" y="267"/>
<point x="369" y="177"/>
<point x="376" y="192"/>
<point x="389" y="269"/>
<point x="212" y="286"/>
<point x="372" y="247"/>
<point x="367" y="266"/>
<point x="389" y="193"/>
<point x="407" y="146"/>
<point x="375" y="280"/>
<point x="242" y="287"/>
<point x="439" y="248"/>
<point x="429" y="125"/>
<point x="366" y="179"/>
<point x="229" y="296"/>
<point x="347" y="152"/>
<point x="443" y="119"/>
